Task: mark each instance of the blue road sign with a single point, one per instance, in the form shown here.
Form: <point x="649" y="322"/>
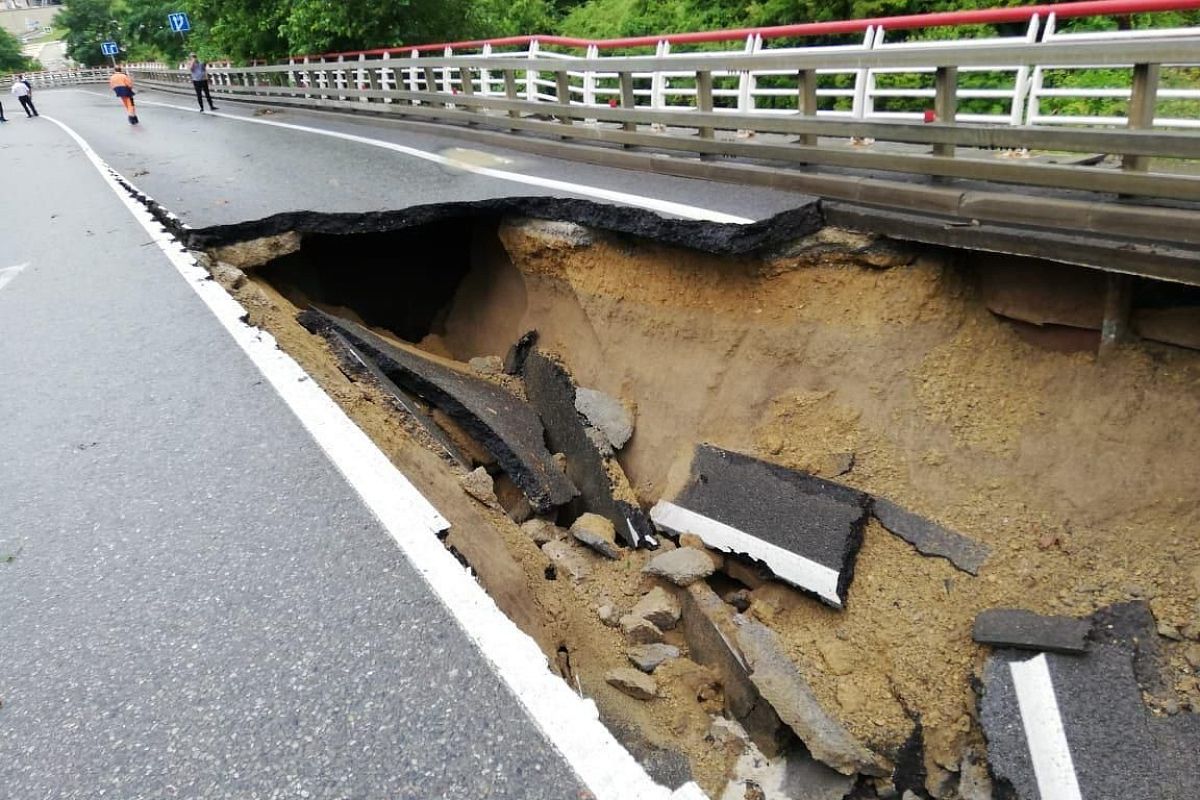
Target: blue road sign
<point x="108" y="48"/>
<point x="179" y="22"/>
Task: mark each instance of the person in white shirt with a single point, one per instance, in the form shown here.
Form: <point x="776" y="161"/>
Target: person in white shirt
<point x="20" y="89"/>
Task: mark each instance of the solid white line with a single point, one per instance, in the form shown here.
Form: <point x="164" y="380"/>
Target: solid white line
<point x="569" y="722"/>
<point x="662" y="206"/>
<point x="791" y="567"/>
<point x="8" y="273"/>
<point x="1048" y="749"/>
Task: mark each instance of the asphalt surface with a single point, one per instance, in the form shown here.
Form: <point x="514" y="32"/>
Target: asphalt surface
<point x="211" y="170"/>
<point x="193" y="603"/>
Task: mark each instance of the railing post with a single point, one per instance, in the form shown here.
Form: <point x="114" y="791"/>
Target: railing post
<point x="468" y="88"/>
<point x="531" y="89"/>
<point x="1118" y="303"/>
<point x="362" y="79"/>
<point x="431" y="86"/>
<point x="1143" y="100"/>
<point x="1021" y="79"/>
<point x="562" y="82"/>
<point x="447" y="83"/>
<point x="589" y="80"/>
<point x="414" y="85"/>
<point x="510" y="91"/>
<point x="806" y="102"/>
<point x="387" y="77"/>
<point x="485" y="76"/>
<point x="860" y="78"/>
<point x="628" y="98"/>
<point x="704" y="99"/>
<point x="945" y="104"/>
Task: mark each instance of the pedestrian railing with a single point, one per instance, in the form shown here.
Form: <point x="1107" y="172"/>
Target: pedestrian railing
<point x="78" y="77"/>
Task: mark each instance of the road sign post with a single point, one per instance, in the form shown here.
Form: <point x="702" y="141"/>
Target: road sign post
<point x="109" y="49"/>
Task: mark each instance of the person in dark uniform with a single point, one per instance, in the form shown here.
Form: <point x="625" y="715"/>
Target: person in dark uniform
<point x="199" y="72"/>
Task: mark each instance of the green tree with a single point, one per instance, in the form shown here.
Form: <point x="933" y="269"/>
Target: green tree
<point x="11" y="59"/>
<point x="88" y="23"/>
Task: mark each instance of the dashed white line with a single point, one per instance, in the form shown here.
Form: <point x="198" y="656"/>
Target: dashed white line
<point x="682" y="210"/>
<point x="1048" y="748"/>
<point x="8" y="273"/>
<point x="569" y="722"/>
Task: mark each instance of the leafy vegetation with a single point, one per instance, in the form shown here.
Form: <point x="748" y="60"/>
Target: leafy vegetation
<point x="11" y="59"/>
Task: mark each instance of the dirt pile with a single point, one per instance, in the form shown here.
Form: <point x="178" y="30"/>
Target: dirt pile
<point x="1078" y="475"/>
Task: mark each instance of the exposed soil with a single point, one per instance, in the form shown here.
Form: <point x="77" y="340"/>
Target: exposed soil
<point x="1080" y="474"/>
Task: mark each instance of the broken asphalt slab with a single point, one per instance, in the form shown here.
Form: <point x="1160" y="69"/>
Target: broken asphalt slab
<point x="1075" y="726"/>
<point x="500" y="421"/>
<point x="603" y="487"/>
<point x="764" y="235"/>
<point x="1025" y="630"/>
<point x="930" y="538"/>
<point x="805" y="529"/>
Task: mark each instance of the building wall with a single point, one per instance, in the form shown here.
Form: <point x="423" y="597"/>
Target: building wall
<point x="15" y="20"/>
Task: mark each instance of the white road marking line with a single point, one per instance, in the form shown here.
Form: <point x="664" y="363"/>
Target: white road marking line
<point x="1048" y="749"/>
<point x="791" y="567"/>
<point x="571" y="724"/>
<point x="662" y="206"/>
<point x="8" y="273"/>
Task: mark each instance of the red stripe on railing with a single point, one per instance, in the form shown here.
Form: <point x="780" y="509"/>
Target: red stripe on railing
<point x="1088" y="8"/>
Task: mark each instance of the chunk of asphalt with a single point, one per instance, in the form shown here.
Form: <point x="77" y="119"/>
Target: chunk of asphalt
<point x="708" y="628"/>
<point x="1091" y="708"/>
<point x="782" y="685"/>
<point x="603" y="487"/>
<point x="930" y="538"/>
<point x="606" y="414"/>
<point x="514" y="359"/>
<point x="660" y="607"/>
<point x="805" y="529"/>
<point x="507" y="427"/>
<point x="1025" y="630"/>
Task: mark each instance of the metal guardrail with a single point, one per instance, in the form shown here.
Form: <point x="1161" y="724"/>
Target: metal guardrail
<point x="77" y="77"/>
<point x="549" y="94"/>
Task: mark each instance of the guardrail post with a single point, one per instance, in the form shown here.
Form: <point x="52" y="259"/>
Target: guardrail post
<point x="562" y="82"/>
<point x="945" y="104"/>
<point x="510" y="91"/>
<point x="387" y="77"/>
<point x="704" y="99"/>
<point x="1118" y="304"/>
<point x="1143" y="100"/>
<point x="628" y="99"/>
<point x="485" y="76"/>
<point x="431" y="86"/>
<point x="414" y="85"/>
<point x="806" y="102"/>
<point x="589" y="81"/>
<point x="468" y="88"/>
<point x="531" y="88"/>
<point x="362" y="78"/>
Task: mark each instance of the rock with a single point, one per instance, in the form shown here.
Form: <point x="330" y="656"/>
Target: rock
<point x="633" y="683"/>
<point x="1169" y="631"/>
<point x="750" y="575"/>
<point x="792" y="776"/>
<point x="487" y="365"/>
<point x="542" y="531"/>
<point x="478" y="484"/>
<point x="609" y="615"/>
<point x="691" y="540"/>
<point x="640" y="631"/>
<point x="681" y="567"/>
<point x="659" y="607"/>
<point x="782" y="685"/>
<point x="647" y="657"/>
<point x="1192" y="655"/>
<point x="739" y="599"/>
<point x="568" y="559"/>
<point x="597" y="533"/>
<point x="606" y="414"/>
<point x="1191" y="631"/>
<point x="560" y="461"/>
<point x="909" y="794"/>
<point x="974" y="782"/>
<point x="598" y="440"/>
<point x="1014" y="627"/>
<point x="727" y="731"/>
<point x="228" y="275"/>
<point x="512" y="499"/>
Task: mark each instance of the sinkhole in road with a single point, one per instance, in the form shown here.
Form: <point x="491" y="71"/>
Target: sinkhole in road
<point x="938" y="379"/>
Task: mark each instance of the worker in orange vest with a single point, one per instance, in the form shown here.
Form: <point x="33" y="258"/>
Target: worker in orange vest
<point x="122" y="86"/>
